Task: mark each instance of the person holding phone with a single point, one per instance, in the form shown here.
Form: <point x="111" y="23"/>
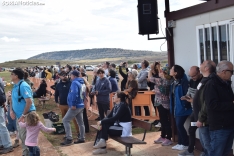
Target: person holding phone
<point x="195" y="79"/>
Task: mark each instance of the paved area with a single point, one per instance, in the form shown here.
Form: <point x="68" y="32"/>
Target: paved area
<point x="45" y="146"/>
<point x="116" y="149"/>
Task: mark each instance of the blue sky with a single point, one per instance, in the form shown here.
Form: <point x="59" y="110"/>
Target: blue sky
<point x="74" y="24"/>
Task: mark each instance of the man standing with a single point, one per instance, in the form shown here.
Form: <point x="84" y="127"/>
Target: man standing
<point x="102" y="91"/>
<point x="196" y="76"/>
<point x="142" y="81"/>
<point x="75" y="102"/>
<point x="5" y="141"/>
<point x="220" y="109"/>
<point x="22" y="103"/>
<point x="61" y="94"/>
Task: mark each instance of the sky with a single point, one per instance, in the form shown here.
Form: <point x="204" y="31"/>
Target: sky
<point x="28" y="29"/>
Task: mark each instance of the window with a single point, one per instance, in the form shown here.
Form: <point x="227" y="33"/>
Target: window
<point x="214" y="42"/>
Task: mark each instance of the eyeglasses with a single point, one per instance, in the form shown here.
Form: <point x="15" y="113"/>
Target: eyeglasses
<point x="231" y="71"/>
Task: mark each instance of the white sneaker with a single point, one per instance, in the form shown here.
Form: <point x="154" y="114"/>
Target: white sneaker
<point x="175" y="147"/>
<point x="158" y="125"/>
<point x="182" y="147"/>
<point x="101" y="143"/>
<point x="99" y="151"/>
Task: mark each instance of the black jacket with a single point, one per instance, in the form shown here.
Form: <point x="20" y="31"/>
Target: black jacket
<point x="41" y="91"/>
<point x="61" y="92"/>
<point x="219" y="103"/>
<point x="198" y="99"/>
<point x="122" y="115"/>
<point x="125" y="77"/>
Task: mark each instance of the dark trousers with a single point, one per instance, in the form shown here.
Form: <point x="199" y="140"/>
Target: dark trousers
<point x="103" y="108"/>
<point x="192" y="134"/>
<point x="146" y="108"/>
<point x="34" y="150"/>
<point x="165" y="120"/>
<point x="105" y="131"/>
<point x="86" y="121"/>
<point x="182" y="133"/>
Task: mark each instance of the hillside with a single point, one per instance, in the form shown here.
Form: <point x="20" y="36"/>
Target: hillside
<point x="90" y="54"/>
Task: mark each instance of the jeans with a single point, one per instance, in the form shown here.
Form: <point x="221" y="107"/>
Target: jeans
<point x="102" y="109"/>
<point x="78" y="114"/>
<point x="221" y="142"/>
<point x="22" y="135"/>
<point x="34" y="151"/>
<point x="192" y="134"/>
<point x="204" y="135"/>
<point x="4" y="134"/>
<point x="64" y="109"/>
<point x="165" y="120"/>
<point x="182" y="133"/>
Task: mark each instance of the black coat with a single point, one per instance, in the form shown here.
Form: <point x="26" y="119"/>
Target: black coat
<point x="219" y="99"/>
<point x="61" y="92"/>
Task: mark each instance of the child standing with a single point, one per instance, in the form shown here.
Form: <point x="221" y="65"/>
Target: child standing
<point x="33" y="127"/>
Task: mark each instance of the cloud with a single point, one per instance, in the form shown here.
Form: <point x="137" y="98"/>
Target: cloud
<point x="6" y="39"/>
<point x="68" y="25"/>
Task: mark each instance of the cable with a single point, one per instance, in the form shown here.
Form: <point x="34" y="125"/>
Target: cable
<point x="163" y="35"/>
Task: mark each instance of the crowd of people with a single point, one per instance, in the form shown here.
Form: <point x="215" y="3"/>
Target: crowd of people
<point x="206" y="99"/>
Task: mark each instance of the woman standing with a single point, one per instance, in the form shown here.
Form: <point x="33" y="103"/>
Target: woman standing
<point x="162" y="102"/>
<point x="181" y="109"/>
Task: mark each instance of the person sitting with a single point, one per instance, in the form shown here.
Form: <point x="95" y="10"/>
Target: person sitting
<point x="41" y="91"/>
<point x="117" y="123"/>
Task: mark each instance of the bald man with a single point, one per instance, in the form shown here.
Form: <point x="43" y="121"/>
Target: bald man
<point x="196" y="76"/>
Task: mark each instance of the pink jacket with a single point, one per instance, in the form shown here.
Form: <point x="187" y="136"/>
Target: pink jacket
<point x="33" y="131"/>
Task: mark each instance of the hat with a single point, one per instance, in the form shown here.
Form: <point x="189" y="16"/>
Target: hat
<point x="166" y="70"/>
<point x="75" y="73"/>
<point x="62" y="73"/>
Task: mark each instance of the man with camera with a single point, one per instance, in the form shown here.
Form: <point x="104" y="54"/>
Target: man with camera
<point x="5" y="141"/>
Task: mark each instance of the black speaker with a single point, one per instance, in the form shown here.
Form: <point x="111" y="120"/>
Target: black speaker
<point x="147" y="17"/>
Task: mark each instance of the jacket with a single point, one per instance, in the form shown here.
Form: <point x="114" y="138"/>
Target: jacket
<point x="125" y="77"/>
<point x="219" y="103"/>
<point x="103" y="86"/>
<point x="179" y="107"/>
<point x="142" y="79"/>
<point x="41" y="91"/>
<point x="61" y="92"/>
<point x="75" y="95"/>
<point x="114" y="84"/>
<point x="199" y="107"/>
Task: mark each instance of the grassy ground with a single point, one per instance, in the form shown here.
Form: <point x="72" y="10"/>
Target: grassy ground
<point x="51" y="106"/>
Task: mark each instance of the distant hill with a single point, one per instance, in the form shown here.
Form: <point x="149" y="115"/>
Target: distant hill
<point x="90" y="54"/>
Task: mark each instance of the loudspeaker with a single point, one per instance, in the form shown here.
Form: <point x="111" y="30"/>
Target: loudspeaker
<point x="147" y="17"/>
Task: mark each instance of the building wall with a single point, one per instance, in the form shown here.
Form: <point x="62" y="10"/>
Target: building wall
<point x="185" y="37"/>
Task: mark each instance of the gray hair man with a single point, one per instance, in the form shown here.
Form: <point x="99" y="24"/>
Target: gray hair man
<point x="219" y="99"/>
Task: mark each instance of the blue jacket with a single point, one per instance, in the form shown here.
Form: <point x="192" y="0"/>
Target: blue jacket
<point x="75" y="95"/>
<point x="103" y="86"/>
<point x="114" y="84"/>
<point x="180" y="107"/>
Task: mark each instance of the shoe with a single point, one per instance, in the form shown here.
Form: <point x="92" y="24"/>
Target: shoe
<point x="16" y="144"/>
<point x="186" y="153"/>
<point x="98" y="118"/>
<point x="64" y="138"/>
<point x="158" y="125"/>
<point x="167" y="142"/>
<point x="155" y="122"/>
<point x="99" y="151"/>
<point x="79" y="141"/>
<point x="182" y="147"/>
<point x="67" y="142"/>
<point x="159" y="140"/>
<point x="101" y="143"/>
<point x="175" y="147"/>
<point x="6" y="150"/>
